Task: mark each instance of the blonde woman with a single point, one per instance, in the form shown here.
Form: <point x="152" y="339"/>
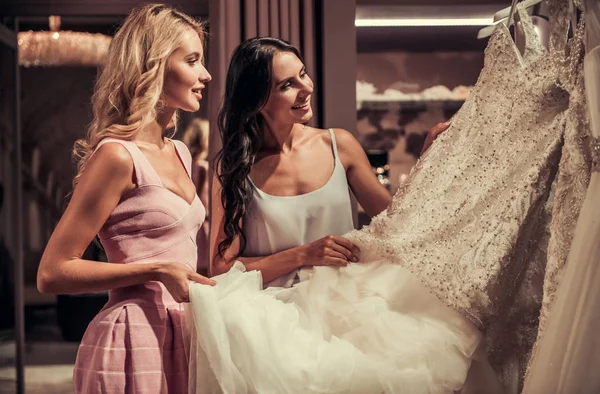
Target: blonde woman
<point x="133" y="189"/>
<point x="196" y="139"/>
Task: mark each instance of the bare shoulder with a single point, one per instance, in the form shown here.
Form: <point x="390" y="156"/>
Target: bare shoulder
<point x="347" y="144"/>
<point x="349" y="149"/>
<point x="343" y="137"/>
<point x="111" y="163"/>
<point x="112" y="156"/>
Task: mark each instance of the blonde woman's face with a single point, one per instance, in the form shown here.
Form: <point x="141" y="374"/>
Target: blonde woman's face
<point x="186" y="76"/>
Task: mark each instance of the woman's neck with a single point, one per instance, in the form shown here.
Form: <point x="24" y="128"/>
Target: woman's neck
<point x="280" y="136"/>
<point x="154" y="132"/>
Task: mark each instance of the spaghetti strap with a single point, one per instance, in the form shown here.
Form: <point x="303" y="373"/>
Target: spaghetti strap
<point x="333" y="144"/>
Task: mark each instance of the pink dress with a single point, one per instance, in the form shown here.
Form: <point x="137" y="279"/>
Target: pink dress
<point x="136" y="344"/>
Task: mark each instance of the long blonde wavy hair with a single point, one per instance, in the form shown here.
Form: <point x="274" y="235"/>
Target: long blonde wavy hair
<point x="128" y="93"/>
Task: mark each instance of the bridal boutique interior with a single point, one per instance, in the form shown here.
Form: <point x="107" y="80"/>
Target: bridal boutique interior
<point x="386" y="70"/>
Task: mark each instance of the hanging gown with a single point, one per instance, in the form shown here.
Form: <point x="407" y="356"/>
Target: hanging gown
<point x="511" y="338"/>
<point x="567" y="357"/>
<point x="438" y="267"/>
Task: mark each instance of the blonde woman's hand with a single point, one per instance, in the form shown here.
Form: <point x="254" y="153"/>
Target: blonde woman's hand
<point x="176" y="277"/>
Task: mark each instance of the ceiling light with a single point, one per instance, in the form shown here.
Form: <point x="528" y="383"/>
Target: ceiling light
<point x="407" y="22"/>
<point x="408" y="16"/>
<point x="61" y="48"/>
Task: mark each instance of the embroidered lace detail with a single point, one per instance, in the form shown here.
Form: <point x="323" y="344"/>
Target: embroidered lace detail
<point x="487" y="215"/>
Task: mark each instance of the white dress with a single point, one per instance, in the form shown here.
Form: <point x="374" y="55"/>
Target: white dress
<point x="440" y="265"/>
<point x="275" y="223"/>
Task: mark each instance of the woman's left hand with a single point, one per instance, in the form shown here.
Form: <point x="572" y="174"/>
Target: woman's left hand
<point x="433" y="133"/>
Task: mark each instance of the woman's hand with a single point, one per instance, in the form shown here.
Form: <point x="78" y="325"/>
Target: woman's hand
<point x="176" y="278"/>
<point x="433" y="133"/>
<point x="330" y="251"/>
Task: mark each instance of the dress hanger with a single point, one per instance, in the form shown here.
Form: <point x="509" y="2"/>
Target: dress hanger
<point x="505" y="12"/>
<point x="539" y="15"/>
<point x="507" y="20"/>
<point x="513" y="18"/>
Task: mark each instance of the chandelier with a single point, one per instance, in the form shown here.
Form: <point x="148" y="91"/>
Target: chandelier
<point x="61" y="48"/>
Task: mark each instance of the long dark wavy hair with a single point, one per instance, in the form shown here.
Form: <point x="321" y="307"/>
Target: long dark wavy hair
<point x="240" y="123"/>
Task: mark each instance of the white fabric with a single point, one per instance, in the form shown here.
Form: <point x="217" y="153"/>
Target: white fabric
<point x="274" y="223"/>
<point x="568" y="355"/>
<point x="365" y="329"/>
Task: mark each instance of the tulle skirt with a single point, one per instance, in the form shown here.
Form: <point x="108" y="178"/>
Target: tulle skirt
<point x="366" y="328"/>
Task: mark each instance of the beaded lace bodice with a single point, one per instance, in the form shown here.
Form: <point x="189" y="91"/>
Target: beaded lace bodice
<point x="462" y="219"/>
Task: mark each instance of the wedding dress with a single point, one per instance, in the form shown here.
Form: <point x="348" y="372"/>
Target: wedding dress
<point x="567" y="358"/>
<point x="512" y="336"/>
<point x="442" y="265"/>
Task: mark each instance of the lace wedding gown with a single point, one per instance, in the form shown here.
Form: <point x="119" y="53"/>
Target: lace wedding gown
<point x="567" y="358"/>
<point x="443" y="264"/>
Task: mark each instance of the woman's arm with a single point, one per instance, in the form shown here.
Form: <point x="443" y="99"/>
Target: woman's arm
<point x="330" y="250"/>
<point x="371" y="194"/>
<point x="107" y="177"/>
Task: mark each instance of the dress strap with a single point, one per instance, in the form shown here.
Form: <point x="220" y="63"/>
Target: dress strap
<point x="533" y="47"/>
<point x="184" y="155"/>
<point x="333" y="144"/>
<point x="144" y="173"/>
<point x="567" y="53"/>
